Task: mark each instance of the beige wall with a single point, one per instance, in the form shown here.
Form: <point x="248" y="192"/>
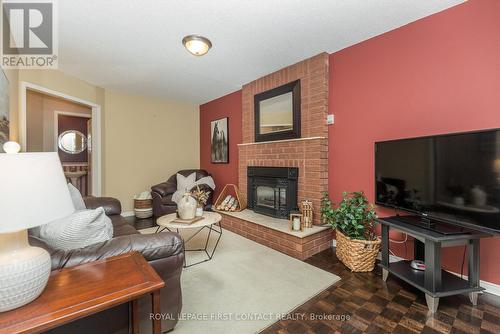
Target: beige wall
<point x="144" y="139"/>
<point x="40" y="119"/>
<point x="147" y="140"/>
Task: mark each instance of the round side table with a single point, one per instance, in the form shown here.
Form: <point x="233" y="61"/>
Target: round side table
<point x="210" y="221"/>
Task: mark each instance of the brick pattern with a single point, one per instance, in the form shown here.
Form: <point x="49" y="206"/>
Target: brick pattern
<point x="310" y="156"/>
<point x="313" y="74"/>
<point x="310" y="152"/>
<point x="299" y="248"/>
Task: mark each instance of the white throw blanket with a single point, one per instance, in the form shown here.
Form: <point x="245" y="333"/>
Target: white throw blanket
<point x="207" y="180"/>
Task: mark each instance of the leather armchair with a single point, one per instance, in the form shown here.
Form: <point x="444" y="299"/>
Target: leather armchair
<point x="164" y="252"/>
<point x="162" y="193"/>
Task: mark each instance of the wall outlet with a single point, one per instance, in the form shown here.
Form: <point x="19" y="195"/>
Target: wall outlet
<point x="330" y="119"/>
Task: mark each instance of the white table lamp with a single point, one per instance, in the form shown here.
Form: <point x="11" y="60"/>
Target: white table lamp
<point x="33" y="192"/>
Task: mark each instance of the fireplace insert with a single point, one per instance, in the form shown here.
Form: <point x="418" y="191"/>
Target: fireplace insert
<point x="272" y="191"/>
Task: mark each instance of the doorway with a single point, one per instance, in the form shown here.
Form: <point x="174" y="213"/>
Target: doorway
<point x="54" y="122"/>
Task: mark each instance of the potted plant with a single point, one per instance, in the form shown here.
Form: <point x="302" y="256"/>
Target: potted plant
<point x="353" y="220"/>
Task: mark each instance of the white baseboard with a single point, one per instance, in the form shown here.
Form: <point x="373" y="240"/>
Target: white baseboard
<point x="492" y="288"/>
<point x="128" y="213"/>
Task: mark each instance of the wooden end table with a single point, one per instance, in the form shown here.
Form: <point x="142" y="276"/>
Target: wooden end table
<point x="210" y="221"/>
<point x="83" y="290"/>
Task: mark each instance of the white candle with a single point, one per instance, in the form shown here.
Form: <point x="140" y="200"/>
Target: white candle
<point x="296" y="224"/>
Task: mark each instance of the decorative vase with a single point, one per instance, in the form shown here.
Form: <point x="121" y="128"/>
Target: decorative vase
<point x="186" y="208"/>
<point x="199" y="211"/>
<point x="24" y="270"/>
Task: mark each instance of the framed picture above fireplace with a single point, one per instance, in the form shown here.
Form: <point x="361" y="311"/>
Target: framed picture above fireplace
<point x="277" y="113"/>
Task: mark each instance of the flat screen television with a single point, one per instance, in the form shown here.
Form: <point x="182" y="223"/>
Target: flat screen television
<point x="454" y="178"/>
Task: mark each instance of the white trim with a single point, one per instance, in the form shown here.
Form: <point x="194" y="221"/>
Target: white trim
<point x="492" y="288"/>
<point x="128" y="213"/>
<point x="96" y="127"/>
<point x="56" y="123"/>
<point x="281" y="141"/>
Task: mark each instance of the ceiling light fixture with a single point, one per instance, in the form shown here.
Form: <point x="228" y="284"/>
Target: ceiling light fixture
<point x="197" y="45"/>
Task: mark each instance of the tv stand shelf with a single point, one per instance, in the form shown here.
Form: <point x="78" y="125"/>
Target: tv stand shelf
<point x="434" y="281"/>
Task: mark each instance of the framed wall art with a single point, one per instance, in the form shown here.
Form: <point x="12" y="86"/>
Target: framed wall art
<point x="219" y="134"/>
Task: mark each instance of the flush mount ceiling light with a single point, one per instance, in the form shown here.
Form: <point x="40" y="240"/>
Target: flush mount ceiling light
<point x="197" y="45"/>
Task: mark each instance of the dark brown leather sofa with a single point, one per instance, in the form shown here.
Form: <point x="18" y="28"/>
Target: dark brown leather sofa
<point x="163" y="251"/>
<point x="162" y="193"/>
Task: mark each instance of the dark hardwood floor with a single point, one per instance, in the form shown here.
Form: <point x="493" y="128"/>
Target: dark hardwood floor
<point x="377" y="307"/>
<point x="140" y="224"/>
<point x="373" y="306"/>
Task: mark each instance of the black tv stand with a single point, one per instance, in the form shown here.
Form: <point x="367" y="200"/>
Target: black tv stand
<point x="432" y="224"/>
<point x="434" y="281"/>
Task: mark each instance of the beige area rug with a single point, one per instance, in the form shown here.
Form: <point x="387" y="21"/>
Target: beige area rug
<point x="245" y="287"/>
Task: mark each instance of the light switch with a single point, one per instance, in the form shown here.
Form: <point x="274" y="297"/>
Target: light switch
<point x="330" y="119"/>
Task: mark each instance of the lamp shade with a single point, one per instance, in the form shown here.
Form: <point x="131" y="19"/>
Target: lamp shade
<point x="33" y="190"/>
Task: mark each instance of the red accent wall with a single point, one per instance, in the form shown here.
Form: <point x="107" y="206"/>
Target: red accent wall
<point x="438" y="75"/>
<point x="227" y="106"/>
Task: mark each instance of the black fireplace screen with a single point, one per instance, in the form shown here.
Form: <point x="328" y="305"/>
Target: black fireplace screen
<point x="270" y="197"/>
<point x="272" y="190"/>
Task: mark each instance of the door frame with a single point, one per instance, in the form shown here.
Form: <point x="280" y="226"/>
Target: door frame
<point x="96" y="127"/>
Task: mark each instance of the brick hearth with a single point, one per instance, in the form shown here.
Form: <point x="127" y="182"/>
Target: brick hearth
<point x="299" y="247"/>
<point x="309" y="155"/>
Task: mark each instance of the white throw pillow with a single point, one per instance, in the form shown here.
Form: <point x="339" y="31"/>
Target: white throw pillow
<point x="80" y="229"/>
<point x="76" y="197"/>
<point x="185" y="183"/>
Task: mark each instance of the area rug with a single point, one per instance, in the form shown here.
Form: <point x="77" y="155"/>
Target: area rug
<point x="245" y="287"/>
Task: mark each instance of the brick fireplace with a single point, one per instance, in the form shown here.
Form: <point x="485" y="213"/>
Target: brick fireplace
<point x="307" y="154"/>
<point x="310" y="152"/>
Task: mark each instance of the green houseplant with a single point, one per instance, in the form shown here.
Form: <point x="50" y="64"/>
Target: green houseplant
<point x="353" y="219"/>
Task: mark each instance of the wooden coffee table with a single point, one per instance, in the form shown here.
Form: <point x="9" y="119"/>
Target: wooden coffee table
<point x="210" y="221"/>
<point x="87" y="289"/>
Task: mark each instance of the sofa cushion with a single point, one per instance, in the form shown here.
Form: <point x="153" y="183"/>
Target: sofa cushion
<point x="111" y="205"/>
<point x="121" y="227"/>
<point x="121" y="230"/>
<point x="78" y="230"/>
<point x="184" y="183"/>
<point x="76" y="197"/>
<point x="167" y="200"/>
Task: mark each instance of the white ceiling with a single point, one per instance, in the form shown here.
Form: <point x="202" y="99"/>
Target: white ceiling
<point x="135" y="45"/>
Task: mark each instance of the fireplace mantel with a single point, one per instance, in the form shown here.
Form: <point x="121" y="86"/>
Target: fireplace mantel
<point x="310" y="152"/>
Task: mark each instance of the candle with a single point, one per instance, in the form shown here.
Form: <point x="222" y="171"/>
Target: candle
<point x="296" y="224"/>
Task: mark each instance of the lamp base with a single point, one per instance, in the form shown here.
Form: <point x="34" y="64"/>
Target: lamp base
<point x="24" y="270"/>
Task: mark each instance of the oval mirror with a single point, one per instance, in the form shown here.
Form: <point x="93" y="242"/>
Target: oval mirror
<point x="72" y="142"/>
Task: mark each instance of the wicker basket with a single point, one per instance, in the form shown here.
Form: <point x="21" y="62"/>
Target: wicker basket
<point x="357" y="255"/>
<point x="143" y="203"/>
